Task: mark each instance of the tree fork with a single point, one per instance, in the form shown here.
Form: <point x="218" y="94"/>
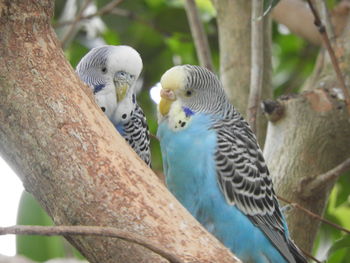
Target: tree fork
<point x="69" y="156"/>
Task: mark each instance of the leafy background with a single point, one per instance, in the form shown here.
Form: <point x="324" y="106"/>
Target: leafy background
<point x="158" y="29"/>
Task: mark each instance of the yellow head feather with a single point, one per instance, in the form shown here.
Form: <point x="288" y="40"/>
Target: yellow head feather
<point x="173" y="79"/>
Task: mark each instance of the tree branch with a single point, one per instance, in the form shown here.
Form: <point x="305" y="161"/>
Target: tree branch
<point x="306" y="253"/>
<point x="90" y="231"/>
<point x="313" y="215"/>
<point x="257" y="64"/>
<point x="108" y="8"/>
<point x="198" y="34"/>
<point x="324" y="13"/>
<point x="322" y="30"/>
<point x="321" y="181"/>
<point x="302" y="24"/>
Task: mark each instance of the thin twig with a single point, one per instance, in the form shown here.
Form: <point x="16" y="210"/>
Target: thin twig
<point x="152" y="136"/>
<point x="108" y="8"/>
<point x="309" y="255"/>
<point x="90" y="231"/>
<point x="308" y="212"/>
<point x="323" y="179"/>
<point x="257" y="63"/>
<point x="199" y="36"/>
<point x="324" y="14"/>
<point x="327" y="43"/>
<point x="119" y="12"/>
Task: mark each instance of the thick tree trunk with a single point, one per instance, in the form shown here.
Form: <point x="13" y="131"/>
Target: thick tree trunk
<point x="234" y="26"/>
<point x="311" y="138"/>
<point x="71" y="159"/>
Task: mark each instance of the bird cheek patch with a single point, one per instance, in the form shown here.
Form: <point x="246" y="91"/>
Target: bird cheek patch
<point x="181" y="123"/>
<point x="98" y="88"/>
<point x="178" y="118"/>
<point x="188" y="112"/>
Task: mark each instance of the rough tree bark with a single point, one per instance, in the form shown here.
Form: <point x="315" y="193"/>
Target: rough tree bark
<point x="71" y="159"/>
<point x="234" y="26"/>
<point x="310" y="138"/>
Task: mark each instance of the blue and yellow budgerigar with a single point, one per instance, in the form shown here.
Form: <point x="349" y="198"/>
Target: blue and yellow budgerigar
<point x="112" y="72"/>
<point x="215" y="168"/>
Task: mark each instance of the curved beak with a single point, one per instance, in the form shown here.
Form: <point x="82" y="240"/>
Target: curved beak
<point x="121" y="91"/>
<point x="167" y="98"/>
<point x="122" y="83"/>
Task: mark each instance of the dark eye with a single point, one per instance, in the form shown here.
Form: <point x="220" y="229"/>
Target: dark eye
<point x="104" y="70"/>
<point x="188" y="93"/>
<point x="103" y="109"/>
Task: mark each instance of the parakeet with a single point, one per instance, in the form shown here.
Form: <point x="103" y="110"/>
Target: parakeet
<point x="215" y="168"/>
<point x="111" y="72"/>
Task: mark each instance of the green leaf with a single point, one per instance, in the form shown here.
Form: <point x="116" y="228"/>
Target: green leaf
<point x="40" y="248"/>
<point x="37" y="248"/>
<point x="111" y="37"/>
<point x="340" y="251"/>
<point x="268" y="5"/>
<point x="343" y="190"/>
<point x="75" y="52"/>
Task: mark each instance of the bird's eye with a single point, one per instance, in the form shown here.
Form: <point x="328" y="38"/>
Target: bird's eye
<point x="104" y="70"/>
<point x="103" y="109"/>
<point x="188" y="93"/>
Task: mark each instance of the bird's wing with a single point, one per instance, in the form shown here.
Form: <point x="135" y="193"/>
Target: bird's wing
<point x="244" y="180"/>
<point x="136" y="132"/>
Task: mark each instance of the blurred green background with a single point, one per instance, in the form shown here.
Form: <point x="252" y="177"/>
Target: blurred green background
<point x="159" y="31"/>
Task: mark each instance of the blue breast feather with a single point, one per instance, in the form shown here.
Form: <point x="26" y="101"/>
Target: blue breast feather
<point x="190" y="169"/>
<point x="120" y="128"/>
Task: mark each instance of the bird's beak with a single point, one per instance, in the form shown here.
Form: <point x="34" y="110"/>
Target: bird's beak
<point x="122" y="82"/>
<point x="121" y="91"/>
<point x="167" y="98"/>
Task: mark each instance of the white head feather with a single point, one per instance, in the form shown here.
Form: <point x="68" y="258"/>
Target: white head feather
<point x="99" y="66"/>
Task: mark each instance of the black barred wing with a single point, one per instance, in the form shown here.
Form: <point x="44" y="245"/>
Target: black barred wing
<point x="244" y="180"/>
<point x="136" y="133"/>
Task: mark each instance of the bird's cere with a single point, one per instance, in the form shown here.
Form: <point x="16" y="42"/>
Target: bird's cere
<point x="167" y="94"/>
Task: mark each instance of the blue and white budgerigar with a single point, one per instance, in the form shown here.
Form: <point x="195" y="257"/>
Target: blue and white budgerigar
<point x="215" y="168"/>
<point x="112" y="72"/>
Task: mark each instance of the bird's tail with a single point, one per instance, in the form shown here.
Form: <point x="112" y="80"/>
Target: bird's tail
<point x="296" y="252"/>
